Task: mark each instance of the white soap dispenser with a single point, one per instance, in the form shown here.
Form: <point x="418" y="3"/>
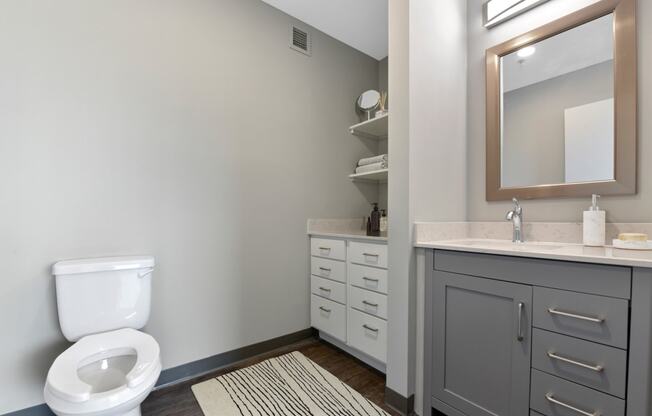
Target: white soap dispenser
<point x="594" y="224"/>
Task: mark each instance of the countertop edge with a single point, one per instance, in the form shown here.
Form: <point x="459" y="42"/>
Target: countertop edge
<point x="611" y="261"/>
<point x="349" y="236"/>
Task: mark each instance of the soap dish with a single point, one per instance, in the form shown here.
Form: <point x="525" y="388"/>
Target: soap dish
<point x="632" y="245"/>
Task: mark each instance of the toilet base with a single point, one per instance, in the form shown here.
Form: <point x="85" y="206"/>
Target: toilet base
<point x="133" y="412"/>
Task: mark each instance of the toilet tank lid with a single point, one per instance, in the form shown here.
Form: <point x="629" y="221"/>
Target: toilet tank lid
<point x="102" y="264"/>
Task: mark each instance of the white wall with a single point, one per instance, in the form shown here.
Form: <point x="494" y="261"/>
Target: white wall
<point x="634" y="208"/>
<point x="428" y="181"/>
<point x="185" y="129"/>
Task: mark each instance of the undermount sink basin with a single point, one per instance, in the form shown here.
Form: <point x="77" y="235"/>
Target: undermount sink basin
<point x="504" y="244"/>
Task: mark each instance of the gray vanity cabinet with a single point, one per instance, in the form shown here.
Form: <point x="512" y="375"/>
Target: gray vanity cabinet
<point x="517" y="336"/>
<point x="481" y="344"/>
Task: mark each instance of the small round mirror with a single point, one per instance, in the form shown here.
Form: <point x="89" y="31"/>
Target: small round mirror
<point x="368" y="101"/>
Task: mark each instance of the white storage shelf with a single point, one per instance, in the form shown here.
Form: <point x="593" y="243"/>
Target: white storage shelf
<point x="376" y="128"/>
<point x="373" y="176"/>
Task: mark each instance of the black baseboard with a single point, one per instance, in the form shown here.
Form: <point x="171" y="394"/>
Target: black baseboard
<point x="193" y="369"/>
<point x="403" y="405"/>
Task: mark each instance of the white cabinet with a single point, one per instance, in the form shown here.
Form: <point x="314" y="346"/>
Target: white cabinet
<point x="348" y="286"/>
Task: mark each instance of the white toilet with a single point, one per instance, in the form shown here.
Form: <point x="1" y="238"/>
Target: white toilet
<point x="112" y="367"/>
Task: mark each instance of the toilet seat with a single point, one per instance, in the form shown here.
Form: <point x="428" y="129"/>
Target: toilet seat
<point x="63" y="380"/>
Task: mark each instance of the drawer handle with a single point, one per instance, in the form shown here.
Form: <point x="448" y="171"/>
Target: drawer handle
<point x="373" y="305"/>
<point x="371" y="255"/>
<point x="551" y="398"/>
<point x="369" y="279"/>
<point x="598" y="368"/>
<point x="554" y="311"/>
<point x="324" y="289"/>
<point x="368" y="328"/>
<point x="325" y="248"/>
<point x="324" y="309"/>
<point x="519" y="332"/>
<point x="324" y="269"/>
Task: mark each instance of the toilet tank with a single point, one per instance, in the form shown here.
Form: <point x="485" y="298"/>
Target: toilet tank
<point x="103" y="294"/>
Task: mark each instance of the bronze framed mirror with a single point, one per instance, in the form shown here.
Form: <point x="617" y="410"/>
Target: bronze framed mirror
<point x="562" y="107"/>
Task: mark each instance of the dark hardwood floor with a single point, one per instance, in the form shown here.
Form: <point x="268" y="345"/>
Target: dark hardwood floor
<point x="178" y="400"/>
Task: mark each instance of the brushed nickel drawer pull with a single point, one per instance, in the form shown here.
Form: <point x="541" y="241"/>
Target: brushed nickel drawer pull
<point x="519" y="334"/>
<point x="324" y="269"/>
<point x="324" y="309"/>
<point x="598" y="368"/>
<point x="371" y="255"/>
<point x="324" y="289"/>
<point x="551" y="398"/>
<point x="367" y="327"/>
<point x="369" y="279"/>
<point x="325" y="248"/>
<point x="597" y="320"/>
<point x="373" y="305"/>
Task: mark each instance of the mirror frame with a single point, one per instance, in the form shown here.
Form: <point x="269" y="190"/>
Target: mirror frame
<point x="625" y="96"/>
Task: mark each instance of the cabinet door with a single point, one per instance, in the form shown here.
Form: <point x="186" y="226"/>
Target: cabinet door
<point x="481" y="345"/>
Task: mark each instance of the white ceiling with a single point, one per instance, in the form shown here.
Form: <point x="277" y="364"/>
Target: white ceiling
<point x="578" y="48"/>
<point x="361" y="24"/>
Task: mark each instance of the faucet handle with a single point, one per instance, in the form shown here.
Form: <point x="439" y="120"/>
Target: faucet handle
<point x="517" y="205"/>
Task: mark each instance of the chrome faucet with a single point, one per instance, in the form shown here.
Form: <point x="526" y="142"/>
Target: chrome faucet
<point x="516" y="217"/>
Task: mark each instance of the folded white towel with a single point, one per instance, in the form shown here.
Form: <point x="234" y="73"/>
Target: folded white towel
<point x="374" y="159"/>
<point x="371" y="168"/>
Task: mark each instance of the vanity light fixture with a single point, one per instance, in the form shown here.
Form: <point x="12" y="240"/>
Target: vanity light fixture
<point x="526" y="52"/>
<point x="498" y="11"/>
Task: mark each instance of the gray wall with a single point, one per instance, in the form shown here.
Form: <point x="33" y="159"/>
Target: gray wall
<point x="534" y="133"/>
<point x="185" y="129"/>
<point x="619" y="209"/>
<point x="428" y="152"/>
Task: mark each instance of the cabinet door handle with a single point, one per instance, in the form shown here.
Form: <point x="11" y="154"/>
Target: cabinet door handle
<point x="551" y="398"/>
<point x="324" y="309"/>
<point x="373" y="305"/>
<point x="324" y="269"/>
<point x="519" y="331"/>
<point x="324" y="289"/>
<point x="597" y="320"/>
<point x="369" y="279"/>
<point x="367" y="327"/>
<point x="598" y="368"/>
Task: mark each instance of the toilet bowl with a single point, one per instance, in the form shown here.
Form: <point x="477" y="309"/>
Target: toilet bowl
<point x="104" y="374"/>
<point x="109" y="373"/>
<point x="112" y="366"/>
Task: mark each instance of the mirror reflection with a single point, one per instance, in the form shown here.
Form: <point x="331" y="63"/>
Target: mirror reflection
<point x="558" y="108"/>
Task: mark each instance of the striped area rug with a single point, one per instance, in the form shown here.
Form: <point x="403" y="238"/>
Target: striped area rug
<point x="287" y="385"/>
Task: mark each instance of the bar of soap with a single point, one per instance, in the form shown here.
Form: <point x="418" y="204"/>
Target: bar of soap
<point x="632" y="237"/>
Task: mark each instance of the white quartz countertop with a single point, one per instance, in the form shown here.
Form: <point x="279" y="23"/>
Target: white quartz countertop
<point x="353" y="236"/>
<point x="544" y="250"/>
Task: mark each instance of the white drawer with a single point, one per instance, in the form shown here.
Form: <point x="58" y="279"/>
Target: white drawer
<point x="367" y="301"/>
<point x="368" y="278"/>
<point x="330" y="269"/>
<point x="328" y="289"/>
<point x="330" y="249"/>
<point x="328" y="316"/>
<point x="368" y="334"/>
<point x="368" y="254"/>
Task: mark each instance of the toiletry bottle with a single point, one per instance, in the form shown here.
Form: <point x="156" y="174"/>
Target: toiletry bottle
<point x="375" y="221"/>
<point x="594" y="224"/>
<point x="383" y="221"/>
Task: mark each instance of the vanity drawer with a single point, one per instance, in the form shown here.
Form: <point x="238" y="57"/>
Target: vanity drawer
<point x="328" y="289"/>
<point x="369" y="278"/>
<point x="368" y="334"/>
<point x="594" y="365"/>
<point x="553" y="396"/>
<point x="330" y="269"/>
<point x="595" y="318"/>
<point x="328" y="316"/>
<point x="368" y="254"/>
<point x="331" y="249"/>
<point x="367" y="301"/>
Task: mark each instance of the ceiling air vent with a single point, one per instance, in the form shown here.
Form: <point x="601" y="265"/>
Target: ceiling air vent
<point x="301" y="40"/>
